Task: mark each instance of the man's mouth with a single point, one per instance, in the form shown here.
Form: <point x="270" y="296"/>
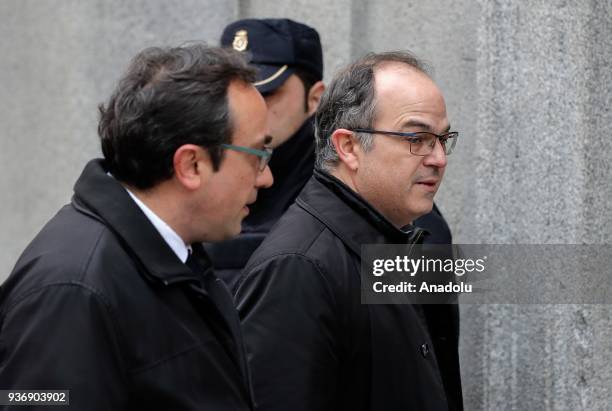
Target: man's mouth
<point x="428" y="183"/>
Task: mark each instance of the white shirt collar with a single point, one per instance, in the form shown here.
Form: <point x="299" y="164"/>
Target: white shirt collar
<point x="175" y="242"/>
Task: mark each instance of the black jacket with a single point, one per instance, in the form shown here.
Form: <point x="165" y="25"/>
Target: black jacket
<point x="292" y="165"/>
<point x="98" y="304"/>
<point x="312" y="345"/>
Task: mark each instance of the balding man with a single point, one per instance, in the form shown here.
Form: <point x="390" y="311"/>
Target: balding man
<point x="383" y="137"/>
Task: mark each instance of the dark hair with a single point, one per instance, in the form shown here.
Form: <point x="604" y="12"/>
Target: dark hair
<point x="308" y="80"/>
<point x="169" y="97"/>
<point x="349" y="102"/>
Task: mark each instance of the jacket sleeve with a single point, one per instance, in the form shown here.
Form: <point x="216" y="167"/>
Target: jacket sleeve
<point x="62" y="337"/>
<point x="289" y="323"/>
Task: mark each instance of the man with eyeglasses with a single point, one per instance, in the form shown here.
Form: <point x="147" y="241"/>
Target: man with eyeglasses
<point x="383" y="138"/>
<point x="289" y="61"/>
<point x="115" y="299"/>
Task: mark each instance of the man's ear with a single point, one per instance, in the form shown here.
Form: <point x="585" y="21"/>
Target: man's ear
<point x="192" y="166"/>
<point x="347" y="147"/>
<point x="314" y="96"/>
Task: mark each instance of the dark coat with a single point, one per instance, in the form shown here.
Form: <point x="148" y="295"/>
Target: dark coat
<point x="312" y="345"/>
<point x="98" y="304"/>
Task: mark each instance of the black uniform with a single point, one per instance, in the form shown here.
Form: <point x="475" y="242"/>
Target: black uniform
<point x="312" y="345"/>
<point x="100" y="305"/>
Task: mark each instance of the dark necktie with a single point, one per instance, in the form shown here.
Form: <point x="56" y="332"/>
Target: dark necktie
<point x="221" y="298"/>
<point x="195" y="264"/>
<point x="214" y="288"/>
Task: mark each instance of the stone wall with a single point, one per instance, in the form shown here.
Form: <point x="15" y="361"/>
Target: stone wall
<point x="527" y="83"/>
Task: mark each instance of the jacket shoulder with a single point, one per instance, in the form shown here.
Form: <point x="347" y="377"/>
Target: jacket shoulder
<point x="297" y="234"/>
<point x="300" y="246"/>
<point x="69" y="249"/>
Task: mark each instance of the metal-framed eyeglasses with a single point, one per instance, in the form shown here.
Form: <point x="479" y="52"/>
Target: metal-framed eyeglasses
<point x="422" y="143"/>
<point x="264" y="155"/>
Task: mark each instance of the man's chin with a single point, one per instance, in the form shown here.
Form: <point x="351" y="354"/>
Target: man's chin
<point x="227" y="233"/>
<point x="428" y="208"/>
<point x="234" y="232"/>
<point x="424" y="210"/>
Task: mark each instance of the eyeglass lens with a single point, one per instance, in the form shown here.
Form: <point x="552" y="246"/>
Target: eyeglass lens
<point x="264" y="160"/>
<point x="425" y="142"/>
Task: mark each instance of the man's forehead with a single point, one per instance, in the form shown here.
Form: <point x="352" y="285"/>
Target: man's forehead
<point x="398" y="66"/>
<point x="406" y="94"/>
<point x="395" y="74"/>
<point x="248" y="114"/>
<point x="400" y="80"/>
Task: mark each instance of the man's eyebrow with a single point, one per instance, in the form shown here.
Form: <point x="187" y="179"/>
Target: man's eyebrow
<point x="420" y="124"/>
<point x="416" y="123"/>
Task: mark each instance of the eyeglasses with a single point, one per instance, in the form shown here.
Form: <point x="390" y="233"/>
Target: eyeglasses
<point x="421" y="142"/>
<point x="264" y="155"/>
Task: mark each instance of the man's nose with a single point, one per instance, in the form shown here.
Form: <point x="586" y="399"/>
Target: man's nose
<point x="264" y="178"/>
<point x="437" y="157"/>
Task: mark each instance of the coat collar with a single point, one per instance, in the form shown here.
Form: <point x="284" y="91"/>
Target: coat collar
<point x="101" y="196"/>
<point x="349" y="216"/>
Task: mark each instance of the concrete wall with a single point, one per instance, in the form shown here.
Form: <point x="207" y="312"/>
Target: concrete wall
<point x="544" y="96"/>
<point x="527" y="83"/>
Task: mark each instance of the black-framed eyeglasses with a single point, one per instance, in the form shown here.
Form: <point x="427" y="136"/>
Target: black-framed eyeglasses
<point x="421" y="142"/>
<point x="264" y="155"/>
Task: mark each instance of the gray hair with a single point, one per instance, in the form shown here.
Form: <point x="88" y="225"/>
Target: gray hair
<point x="350" y="102"/>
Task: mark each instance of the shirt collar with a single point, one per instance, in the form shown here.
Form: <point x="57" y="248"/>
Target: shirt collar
<point x="174" y="241"/>
<point x="104" y="199"/>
